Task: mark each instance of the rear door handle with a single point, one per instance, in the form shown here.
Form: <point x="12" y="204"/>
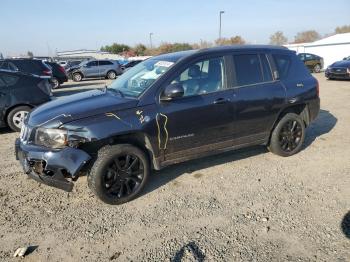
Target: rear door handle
<point x="221" y="101"/>
<point x="2" y="94"/>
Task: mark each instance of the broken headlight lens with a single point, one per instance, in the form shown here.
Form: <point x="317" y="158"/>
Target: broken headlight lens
<point x="53" y="138"/>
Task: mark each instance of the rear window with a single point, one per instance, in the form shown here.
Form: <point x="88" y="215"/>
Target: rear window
<point x="248" y="70"/>
<point x="289" y="66"/>
<point x="105" y="63"/>
<point x="283" y="64"/>
<point x="30" y="66"/>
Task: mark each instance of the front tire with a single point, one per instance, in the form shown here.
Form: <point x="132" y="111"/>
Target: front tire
<point x="288" y="136"/>
<point x="119" y="173"/>
<point x="16" y="117"/>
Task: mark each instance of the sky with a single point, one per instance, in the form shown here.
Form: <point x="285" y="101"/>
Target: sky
<point x="44" y="27"/>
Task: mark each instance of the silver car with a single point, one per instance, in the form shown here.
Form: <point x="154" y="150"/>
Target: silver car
<point x="96" y="68"/>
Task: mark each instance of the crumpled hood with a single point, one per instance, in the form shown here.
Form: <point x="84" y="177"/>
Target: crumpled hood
<point x="74" y="107"/>
<point x="343" y="63"/>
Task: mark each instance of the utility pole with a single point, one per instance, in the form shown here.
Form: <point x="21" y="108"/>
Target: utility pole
<point x="221" y="12"/>
<point x="150" y="40"/>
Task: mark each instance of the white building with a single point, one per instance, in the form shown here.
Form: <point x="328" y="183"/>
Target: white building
<point x="83" y="53"/>
<point x="332" y="48"/>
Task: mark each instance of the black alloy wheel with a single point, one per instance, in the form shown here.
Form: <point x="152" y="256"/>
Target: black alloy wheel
<point x="119" y="173"/>
<point x="290" y="135"/>
<point x="123" y="176"/>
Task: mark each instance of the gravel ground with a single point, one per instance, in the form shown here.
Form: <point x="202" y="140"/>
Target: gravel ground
<point x="246" y="205"/>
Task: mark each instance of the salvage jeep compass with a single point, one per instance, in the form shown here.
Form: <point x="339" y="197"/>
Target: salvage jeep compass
<point x="166" y="110"/>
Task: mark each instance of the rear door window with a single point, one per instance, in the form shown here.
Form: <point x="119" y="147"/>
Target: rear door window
<point x="4" y="65"/>
<point x="10" y="80"/>
<point x="2" y="83"/>
<point x="248" y="69"/>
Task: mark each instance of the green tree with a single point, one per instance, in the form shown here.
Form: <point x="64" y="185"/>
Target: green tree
<point x="307" y="36"/>
<point x="140" y="49"/>
<point x="115" y="48"/>
<point x="234" y="40"/>
<point x="342" y="29"/>
<point x="202" y="44"/>
<point x="175" y="47"/>
<point x="278" y="38"/>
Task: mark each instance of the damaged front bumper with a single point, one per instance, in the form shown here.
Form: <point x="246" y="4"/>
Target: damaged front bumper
<point x="56" y="168"/>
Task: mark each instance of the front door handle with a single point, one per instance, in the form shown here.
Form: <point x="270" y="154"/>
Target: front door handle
<point x="221" y="101"/>
<point x="300" y="85"/>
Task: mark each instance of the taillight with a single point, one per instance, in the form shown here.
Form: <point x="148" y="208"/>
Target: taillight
<point x="61" y="68"/>
<point x="317" y="88"/>
<point x="47" y="72"/>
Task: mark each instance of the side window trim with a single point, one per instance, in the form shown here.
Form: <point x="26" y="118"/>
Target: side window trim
<point x="269" y="67"/>
<point x="275" y="74"/>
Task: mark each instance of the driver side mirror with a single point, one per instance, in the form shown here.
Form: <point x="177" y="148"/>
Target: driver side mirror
<point x="172" y="91"/>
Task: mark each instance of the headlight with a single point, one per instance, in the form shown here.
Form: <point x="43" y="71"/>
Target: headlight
<point x="53" y="138"/>
<point x="348" y="70"/>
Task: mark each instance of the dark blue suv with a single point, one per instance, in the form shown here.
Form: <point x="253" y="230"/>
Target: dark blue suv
<point x="166" y="110"/>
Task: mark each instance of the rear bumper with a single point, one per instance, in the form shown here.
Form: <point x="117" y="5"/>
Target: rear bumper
<point x="63" y="79"/>
<point x="53" y="168"/>
<point x="314" y="109"/>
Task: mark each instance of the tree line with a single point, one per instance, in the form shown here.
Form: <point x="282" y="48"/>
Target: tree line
<point x="277" y="38"/>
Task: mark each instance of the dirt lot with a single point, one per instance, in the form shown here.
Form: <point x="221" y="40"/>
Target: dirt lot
<point x="238" y="206"/>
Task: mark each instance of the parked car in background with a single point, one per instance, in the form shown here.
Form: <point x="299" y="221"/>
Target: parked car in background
<point x="62" y="63"/>
<point x="59" y="75"/>
<point x="184" y="105"/>
<point x="311" y="61"/>
<point x="19" y="93"/>
<point x="96" y="68"/>
<point x="339" y="69"/>
<point x="31" y="66"/>
<point x="130" y="64"/>
<point x="72" y="63"/>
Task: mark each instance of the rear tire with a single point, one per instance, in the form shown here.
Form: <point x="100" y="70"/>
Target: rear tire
<point x="77" y="77"/>
<point x="55" y="83"/>
<point x="119" y="173"/>
<point x="288" y="136"/>
<point x="16" y="116"/>
<point x="111" y="75"/>
<point x="317" y="68"/>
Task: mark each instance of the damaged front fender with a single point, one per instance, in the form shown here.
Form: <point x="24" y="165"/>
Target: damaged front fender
<point x="51" y="167"/>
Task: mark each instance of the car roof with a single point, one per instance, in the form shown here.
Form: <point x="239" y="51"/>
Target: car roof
<point x="21" y="60"/>
<point x="17" y="73"/>
<point x="178" y="55"/>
